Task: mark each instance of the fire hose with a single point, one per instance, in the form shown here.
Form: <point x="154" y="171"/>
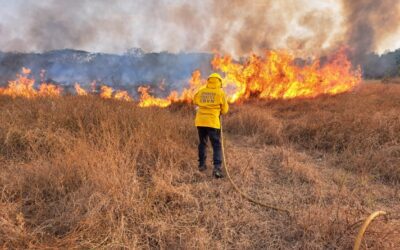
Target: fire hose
<point x="357" y="242"/>
<point x="238" y="190"/>
<point x="388" y="216"/>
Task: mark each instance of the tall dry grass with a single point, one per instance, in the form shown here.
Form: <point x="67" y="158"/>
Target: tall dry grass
<point x="81" y="172"/>
<point x="359" y="131"/>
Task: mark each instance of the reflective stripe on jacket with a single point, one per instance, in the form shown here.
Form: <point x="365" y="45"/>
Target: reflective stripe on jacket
<point x="211" y="102"/>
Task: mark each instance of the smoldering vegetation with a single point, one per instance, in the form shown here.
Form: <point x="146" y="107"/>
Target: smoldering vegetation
<point x="84" y="172"/>
<point x="163" y="71"/>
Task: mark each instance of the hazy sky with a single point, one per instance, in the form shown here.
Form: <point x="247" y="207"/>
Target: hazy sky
<point x="236" y="26"/>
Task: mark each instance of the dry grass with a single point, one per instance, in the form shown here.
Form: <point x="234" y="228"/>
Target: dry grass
<point x="82" y="172"/>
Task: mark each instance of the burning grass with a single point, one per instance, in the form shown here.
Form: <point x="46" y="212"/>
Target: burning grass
<point x="274" y="76"/>
<point x="81" y="171"/>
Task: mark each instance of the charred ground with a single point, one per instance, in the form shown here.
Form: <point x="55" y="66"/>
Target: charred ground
<point x="88" y="172"/>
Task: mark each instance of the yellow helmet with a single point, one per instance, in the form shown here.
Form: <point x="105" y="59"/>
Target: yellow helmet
<point x="215" y="75"/>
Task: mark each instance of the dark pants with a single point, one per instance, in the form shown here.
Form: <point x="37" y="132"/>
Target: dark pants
<point x="215" y="138"/>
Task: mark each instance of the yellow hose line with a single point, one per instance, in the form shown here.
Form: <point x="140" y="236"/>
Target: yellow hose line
<point x="364" y="227"/>
<point x="244" y="195"/>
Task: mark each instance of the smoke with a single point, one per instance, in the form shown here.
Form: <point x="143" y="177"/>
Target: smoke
<point x="369" y="22"/>
<point x="237" y="27"/>
<point x="51" y="24"/>
<point x="234" y="26"/>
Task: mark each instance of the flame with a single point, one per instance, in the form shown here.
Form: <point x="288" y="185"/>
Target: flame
<point x="23" y="86"/>
<point x="147" y="100"/>
<point x="49" y="90"/>
<point x="26" y="71"/>
<point x="123" y="96"/>
<point x="106" y="92"/>
<point x="195" y="83"/>
<point x="278" y="77"/>
<point x="79" y="90"/>
<point x="274" y="76"/>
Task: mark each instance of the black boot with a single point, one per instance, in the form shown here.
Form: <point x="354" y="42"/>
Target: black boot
<point x="217" y="173"/>
<point x="202" y="167"/>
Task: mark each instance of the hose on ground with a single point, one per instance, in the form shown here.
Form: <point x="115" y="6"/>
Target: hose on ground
<point x="237" y="189"/>
<point x="357" y="242"/>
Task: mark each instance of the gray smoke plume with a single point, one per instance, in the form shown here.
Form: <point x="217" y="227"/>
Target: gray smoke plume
<point x="368" y="23"/>
<point x="239" y="27"/>
<point x="234" y="26"/>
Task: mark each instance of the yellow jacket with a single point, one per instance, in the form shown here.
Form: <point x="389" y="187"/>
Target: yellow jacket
<point x="211" y="102"/>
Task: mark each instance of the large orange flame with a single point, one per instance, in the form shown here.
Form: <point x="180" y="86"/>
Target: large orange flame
<point x="275" y="76"/>
<point x="278" y="77"/>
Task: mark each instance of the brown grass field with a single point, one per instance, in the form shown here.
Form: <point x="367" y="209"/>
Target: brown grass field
<point x="83" y="172"/>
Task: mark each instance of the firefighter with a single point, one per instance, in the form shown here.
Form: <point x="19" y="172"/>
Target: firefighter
<point x="211" y="102"/>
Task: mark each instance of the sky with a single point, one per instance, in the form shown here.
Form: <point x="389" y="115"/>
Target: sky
<point x="231" y="26"/>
